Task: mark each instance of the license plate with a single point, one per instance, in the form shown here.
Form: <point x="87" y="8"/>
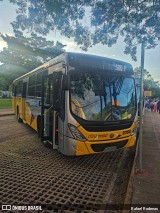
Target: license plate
<point x="110" y="149"/>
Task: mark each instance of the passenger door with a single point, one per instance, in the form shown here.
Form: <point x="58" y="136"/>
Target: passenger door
<point x="49" y="111"/>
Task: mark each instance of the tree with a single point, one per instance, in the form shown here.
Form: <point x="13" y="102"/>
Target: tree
<point x="135" y="20"/>
<point x="23" y="54"/>
<point x="145" y="73"/>
<point x="3" y="83"/>
<point x="149" y="82"/>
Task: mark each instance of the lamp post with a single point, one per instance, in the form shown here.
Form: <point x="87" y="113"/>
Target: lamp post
<point x="141" y="105"/>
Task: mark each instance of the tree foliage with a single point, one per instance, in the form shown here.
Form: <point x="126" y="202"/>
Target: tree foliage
<point x="23" y="54"/>
<point x="135" y="20"/>
<point x="149" y="82"/>
<point x="3" y="83"/>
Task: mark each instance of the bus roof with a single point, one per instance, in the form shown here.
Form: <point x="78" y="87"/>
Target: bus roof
<point x="84" y="60"/>
<point x="98" y="62"/>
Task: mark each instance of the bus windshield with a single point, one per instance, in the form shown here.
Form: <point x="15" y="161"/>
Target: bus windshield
<point x="102" y="97"/>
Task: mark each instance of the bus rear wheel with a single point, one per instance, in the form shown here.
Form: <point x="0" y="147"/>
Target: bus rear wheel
<point x="18" y="116"/>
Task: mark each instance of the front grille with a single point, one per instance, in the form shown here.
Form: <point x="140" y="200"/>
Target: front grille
<point x="101" y="147"/>
<point x="108" y="127"/>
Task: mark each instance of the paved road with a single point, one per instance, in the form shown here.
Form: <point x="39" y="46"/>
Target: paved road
<point x="33" y="174"/>
<point x="11" y="129"/>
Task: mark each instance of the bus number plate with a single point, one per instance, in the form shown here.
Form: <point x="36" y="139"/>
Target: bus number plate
<point x="110" y="149"/>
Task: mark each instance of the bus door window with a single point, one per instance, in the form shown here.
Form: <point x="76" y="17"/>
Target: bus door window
<point x="57" y="77"/>
<point x="48" y="86"/>
<point x="57" y="100"/>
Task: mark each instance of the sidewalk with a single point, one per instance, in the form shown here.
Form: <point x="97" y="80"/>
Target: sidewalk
<point x="5" y="112"/>
<point x="146" y="185"/>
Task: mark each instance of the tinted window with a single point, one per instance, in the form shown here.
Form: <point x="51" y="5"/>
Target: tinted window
<point x="19" y="88"/>
<point x="31" y="91"/>
<point x="32" y="80"/>
<point x="39" y="84"/>
<point x="31" y="86"/>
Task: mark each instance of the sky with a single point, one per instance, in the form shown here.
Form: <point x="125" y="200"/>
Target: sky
<point x="152" y="56"/>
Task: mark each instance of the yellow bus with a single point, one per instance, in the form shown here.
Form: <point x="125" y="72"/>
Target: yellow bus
<point x="79" y="103"/>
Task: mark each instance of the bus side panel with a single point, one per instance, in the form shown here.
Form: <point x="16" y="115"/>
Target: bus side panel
<point x="28" y="115"/>
<point x="19" y="105"/>
<point x="81" y="148"/>
<point x="69" y="144"/>
<point x="32" y="110"/>
<point x="34" y="124"/>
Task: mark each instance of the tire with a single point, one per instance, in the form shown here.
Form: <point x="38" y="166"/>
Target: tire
<point x="18" y="116"/>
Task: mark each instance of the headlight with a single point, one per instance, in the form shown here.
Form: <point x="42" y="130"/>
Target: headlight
<point x="76" y="133"/>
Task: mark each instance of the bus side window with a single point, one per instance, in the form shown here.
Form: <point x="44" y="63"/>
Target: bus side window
<point x="39" y="84"/>
<point x="32" y="85"/>
<point x="19" y="88"/>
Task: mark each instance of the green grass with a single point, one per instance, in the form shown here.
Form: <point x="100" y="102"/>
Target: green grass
<point x="5" y="103"/>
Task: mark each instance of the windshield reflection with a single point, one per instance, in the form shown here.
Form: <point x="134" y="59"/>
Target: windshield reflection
<point x="98" y="97"/>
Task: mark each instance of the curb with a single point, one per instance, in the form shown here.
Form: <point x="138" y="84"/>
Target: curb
<point x="7" y="114"/>
<point x="129" y="192"/>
